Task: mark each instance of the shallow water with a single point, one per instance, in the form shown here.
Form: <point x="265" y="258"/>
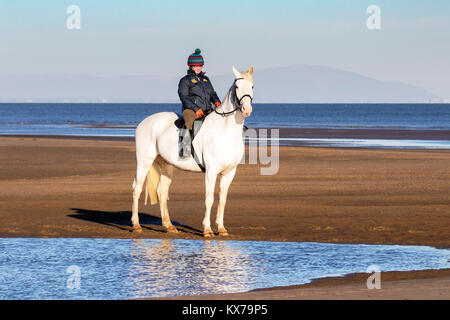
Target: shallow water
<point x="357" y="143"/>
<point x="124" y="268"/>
<point x="120" y="120"/>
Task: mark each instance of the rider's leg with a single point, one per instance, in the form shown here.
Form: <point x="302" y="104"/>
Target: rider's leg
<point x="189" y="117"/>
<point x="185" y="142"/>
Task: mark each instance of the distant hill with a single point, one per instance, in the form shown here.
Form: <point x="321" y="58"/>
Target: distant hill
<point x="298" y="83"/>
<point x="301" y="83"/>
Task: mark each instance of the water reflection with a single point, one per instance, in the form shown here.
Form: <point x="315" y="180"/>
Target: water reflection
<point x="171" y="267"/>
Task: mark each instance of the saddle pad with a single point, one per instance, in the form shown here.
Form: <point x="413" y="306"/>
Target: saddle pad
<point x="179" y="123"/>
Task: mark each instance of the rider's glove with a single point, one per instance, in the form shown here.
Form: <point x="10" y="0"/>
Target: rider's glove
<point x="217" y="104"/>
<point x="199" y="113"/>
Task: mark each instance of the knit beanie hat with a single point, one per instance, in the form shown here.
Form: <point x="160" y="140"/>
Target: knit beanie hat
<point x="195" y="59"/>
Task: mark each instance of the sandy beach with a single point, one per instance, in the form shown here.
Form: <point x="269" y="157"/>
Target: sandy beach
<point x="81" y="187"/>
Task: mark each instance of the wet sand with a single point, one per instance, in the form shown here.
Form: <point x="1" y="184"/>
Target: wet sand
<point x="366" y="133"/>
<point x="412" y="285"/>
<point x="311" y="133"/>
<point x="71" y="187"/>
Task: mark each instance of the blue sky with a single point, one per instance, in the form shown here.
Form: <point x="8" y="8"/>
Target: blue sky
<point x="155" y="37"/>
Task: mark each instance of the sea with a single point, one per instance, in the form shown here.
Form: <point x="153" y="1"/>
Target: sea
<point x="120" y="120"/>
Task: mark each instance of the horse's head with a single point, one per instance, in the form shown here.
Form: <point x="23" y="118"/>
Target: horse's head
<point x="243" y="84"/>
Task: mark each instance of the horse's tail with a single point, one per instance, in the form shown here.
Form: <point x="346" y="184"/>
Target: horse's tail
<point x="151" y="184"/>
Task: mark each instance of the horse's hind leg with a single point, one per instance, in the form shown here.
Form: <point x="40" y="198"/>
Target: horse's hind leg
<point x="141" y="174"/>
<point x="163" y="193"/>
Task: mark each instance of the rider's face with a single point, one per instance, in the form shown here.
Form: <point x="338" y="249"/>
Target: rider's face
<point x="197" y="69"/>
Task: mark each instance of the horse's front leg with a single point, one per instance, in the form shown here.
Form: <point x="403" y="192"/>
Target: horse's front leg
<point x="210" y="183"/>
<point x="225" y="182"/>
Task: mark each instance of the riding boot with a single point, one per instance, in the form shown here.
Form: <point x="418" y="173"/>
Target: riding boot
<point x="184" y="144"/>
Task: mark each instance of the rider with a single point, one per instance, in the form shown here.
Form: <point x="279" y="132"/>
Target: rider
<point x="196" y="91"/>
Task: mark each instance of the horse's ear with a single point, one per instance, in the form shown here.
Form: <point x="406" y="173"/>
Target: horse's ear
<point x="252" y="69"/>
<point x="237" y="74"/>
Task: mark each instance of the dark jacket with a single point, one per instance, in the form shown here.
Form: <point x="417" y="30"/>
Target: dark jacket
<point x="196" y="92"/>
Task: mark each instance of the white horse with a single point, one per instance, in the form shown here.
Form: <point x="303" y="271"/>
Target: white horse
<point x="219" y="146"/>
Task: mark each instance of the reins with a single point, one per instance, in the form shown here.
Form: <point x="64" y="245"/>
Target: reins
<point x="238" y="101"/>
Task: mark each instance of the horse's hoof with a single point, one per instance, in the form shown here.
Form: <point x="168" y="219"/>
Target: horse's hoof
<point x="208" y="234"/>
<point x="137" y="229"/>
<point x="223" y="233"/>
<point x="172" y="229"/>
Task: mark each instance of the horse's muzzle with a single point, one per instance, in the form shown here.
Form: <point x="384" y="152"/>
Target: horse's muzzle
<point x="246" y="110"/>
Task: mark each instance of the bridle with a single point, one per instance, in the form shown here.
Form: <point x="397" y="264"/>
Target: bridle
<point x="237" y="101"/>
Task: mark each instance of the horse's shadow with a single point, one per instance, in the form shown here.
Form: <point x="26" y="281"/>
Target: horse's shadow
<point x="121" y="220"/>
